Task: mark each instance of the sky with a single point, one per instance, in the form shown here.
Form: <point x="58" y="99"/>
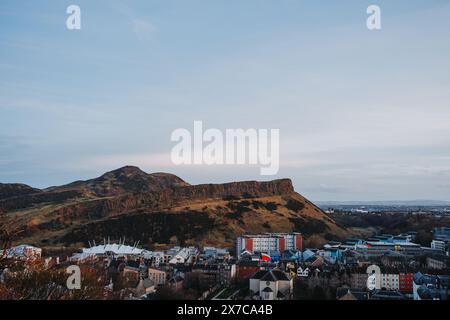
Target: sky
<point x="363" y="115"/>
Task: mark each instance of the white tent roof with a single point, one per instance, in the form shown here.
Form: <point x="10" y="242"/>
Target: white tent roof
<point x="117" y="249"/>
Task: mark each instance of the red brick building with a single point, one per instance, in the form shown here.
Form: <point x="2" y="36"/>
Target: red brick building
<point x="246" y="269"/>
<point x="405" y="281"/>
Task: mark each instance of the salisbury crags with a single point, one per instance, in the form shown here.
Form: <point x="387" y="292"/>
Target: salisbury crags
<point x="160" y="208"/>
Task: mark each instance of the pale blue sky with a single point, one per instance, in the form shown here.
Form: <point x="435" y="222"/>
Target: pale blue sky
<point x="363" y="115"/>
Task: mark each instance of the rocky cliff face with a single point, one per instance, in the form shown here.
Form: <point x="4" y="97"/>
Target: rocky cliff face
<point x="25" y="201"/>
<point x="120" y="199"/>
<point x="251" y="189"/>
<point x="162" y="200"/>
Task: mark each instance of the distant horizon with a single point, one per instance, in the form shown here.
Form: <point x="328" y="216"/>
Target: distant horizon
<point x="380" y="202"/>
<point x="230" y="181"/>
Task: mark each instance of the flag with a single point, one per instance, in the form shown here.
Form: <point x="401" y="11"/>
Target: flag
<point x="265" y="257"/>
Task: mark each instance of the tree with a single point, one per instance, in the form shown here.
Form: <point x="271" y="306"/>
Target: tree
<point x="32" y="281"/>
<point x="9" y="230"/>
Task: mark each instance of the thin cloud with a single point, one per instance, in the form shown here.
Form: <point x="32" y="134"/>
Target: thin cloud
<point x="143" y="29"/>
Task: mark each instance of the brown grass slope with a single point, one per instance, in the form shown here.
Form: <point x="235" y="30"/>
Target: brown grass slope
<point x="161" y="209"/>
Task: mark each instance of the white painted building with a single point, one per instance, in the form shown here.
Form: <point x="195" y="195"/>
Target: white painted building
<point x="270" y="243"/>
<point x="185" y="255"/>
<point x="303" y="273"/>
<point x="157" y="276"/>
<point x="22" y="252"/>
<point x="158" y="257"/>
<point x="271" y="285"/>
<point x="390" y="281"/>
<point x="438" y="245"/>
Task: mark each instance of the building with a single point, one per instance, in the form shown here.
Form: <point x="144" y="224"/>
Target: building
<point x="144" y="287"/>
<point x="390" y="281"/>
<point x="219" y="273"/>
<point x="438" y="262"/>
<point x="393" y="259"/>
<point x="216" y="253"/>
<point x="246" y="268"/>
<point x="184" y="255"/>
<point x="271" y="285"/>
<point x="157" y="276"/>
<point x="303" y="273"/>
<point x="380" y="248"/>
<point x="439" y="245"/>
<point x="131" y="275"/>
<point x="314" y="261"/>
<point x="351" y="294"/>
<point x="206" y="277"/>
<point x="227" y="273"/>
<point x="358" y="280"/>
<point x="442" y="234"/>
<point x="81" y="258"/>
<point x="22" y="252"/>
<point x="387" y="295"/>
<point x="331" y="255"/>
<point x="405" y="282"/>
<point x="157" y="258"/>
<point x="270" y="243"/>
<point x="431" y="287"/>
<point x="442" y="238"/>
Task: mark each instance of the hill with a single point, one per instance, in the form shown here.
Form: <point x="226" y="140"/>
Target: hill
<point x="8" y="190"/>
<point x="161" y="209"/>
<point x="123" y="180"/>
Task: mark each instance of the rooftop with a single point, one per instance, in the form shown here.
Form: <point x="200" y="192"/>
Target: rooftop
<point x="269" y="235"/>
